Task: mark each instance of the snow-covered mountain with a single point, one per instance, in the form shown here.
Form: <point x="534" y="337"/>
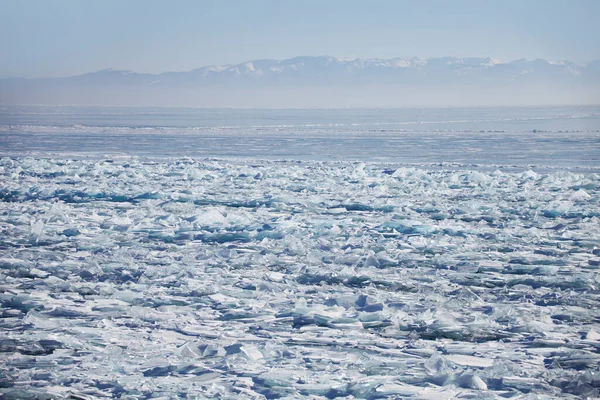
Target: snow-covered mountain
<point x="324" y="69"/>
<point x="301" y="73"/>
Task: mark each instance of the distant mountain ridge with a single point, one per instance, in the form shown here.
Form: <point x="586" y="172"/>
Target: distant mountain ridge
<point x="299" y="67"/>
<point x="331" y="67"/>
<point x="310" y="72"/>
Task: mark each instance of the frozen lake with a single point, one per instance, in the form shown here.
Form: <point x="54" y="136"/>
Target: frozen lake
<point x="413" y="253"/>
<point x="540" y="136"/>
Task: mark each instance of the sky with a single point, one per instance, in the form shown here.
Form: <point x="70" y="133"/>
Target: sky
<point x="50" y="38"/>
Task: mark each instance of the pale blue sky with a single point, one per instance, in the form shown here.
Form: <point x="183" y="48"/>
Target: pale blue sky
<point x="43" y="38"/>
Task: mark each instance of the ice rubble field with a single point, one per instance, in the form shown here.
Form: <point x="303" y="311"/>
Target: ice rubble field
<point x="206" y="279"/>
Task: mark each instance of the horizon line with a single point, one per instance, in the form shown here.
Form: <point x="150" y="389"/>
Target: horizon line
<point x="8" y="105"/>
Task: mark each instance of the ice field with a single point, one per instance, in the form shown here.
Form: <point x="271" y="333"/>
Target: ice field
<point x="455" y="257"/>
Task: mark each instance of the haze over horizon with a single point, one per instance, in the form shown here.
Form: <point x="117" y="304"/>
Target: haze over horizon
<point x="325" y="82"/>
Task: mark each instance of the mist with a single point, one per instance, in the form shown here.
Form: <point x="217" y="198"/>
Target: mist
<point x="312" y="96"/>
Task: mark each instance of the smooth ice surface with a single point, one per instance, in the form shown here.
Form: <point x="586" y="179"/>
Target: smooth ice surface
<point x="274" y="279"/>
<point x="557" y="137"/>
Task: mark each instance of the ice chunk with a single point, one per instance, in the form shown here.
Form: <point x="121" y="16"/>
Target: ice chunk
<point x="469" y="361"/>
<point x="592" y="335"/>
<point x="580" y="195"/>
<point x="252" y="352"/>
<point x="471" y="380"/>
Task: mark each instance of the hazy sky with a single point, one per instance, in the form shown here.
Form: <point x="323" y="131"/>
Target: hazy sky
<point x="43" y="38"/>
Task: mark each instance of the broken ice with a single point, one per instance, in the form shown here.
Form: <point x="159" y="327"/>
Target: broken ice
<point x="209" y="279"/>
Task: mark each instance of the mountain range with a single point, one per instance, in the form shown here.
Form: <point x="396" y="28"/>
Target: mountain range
<point x="325" y="81"/>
